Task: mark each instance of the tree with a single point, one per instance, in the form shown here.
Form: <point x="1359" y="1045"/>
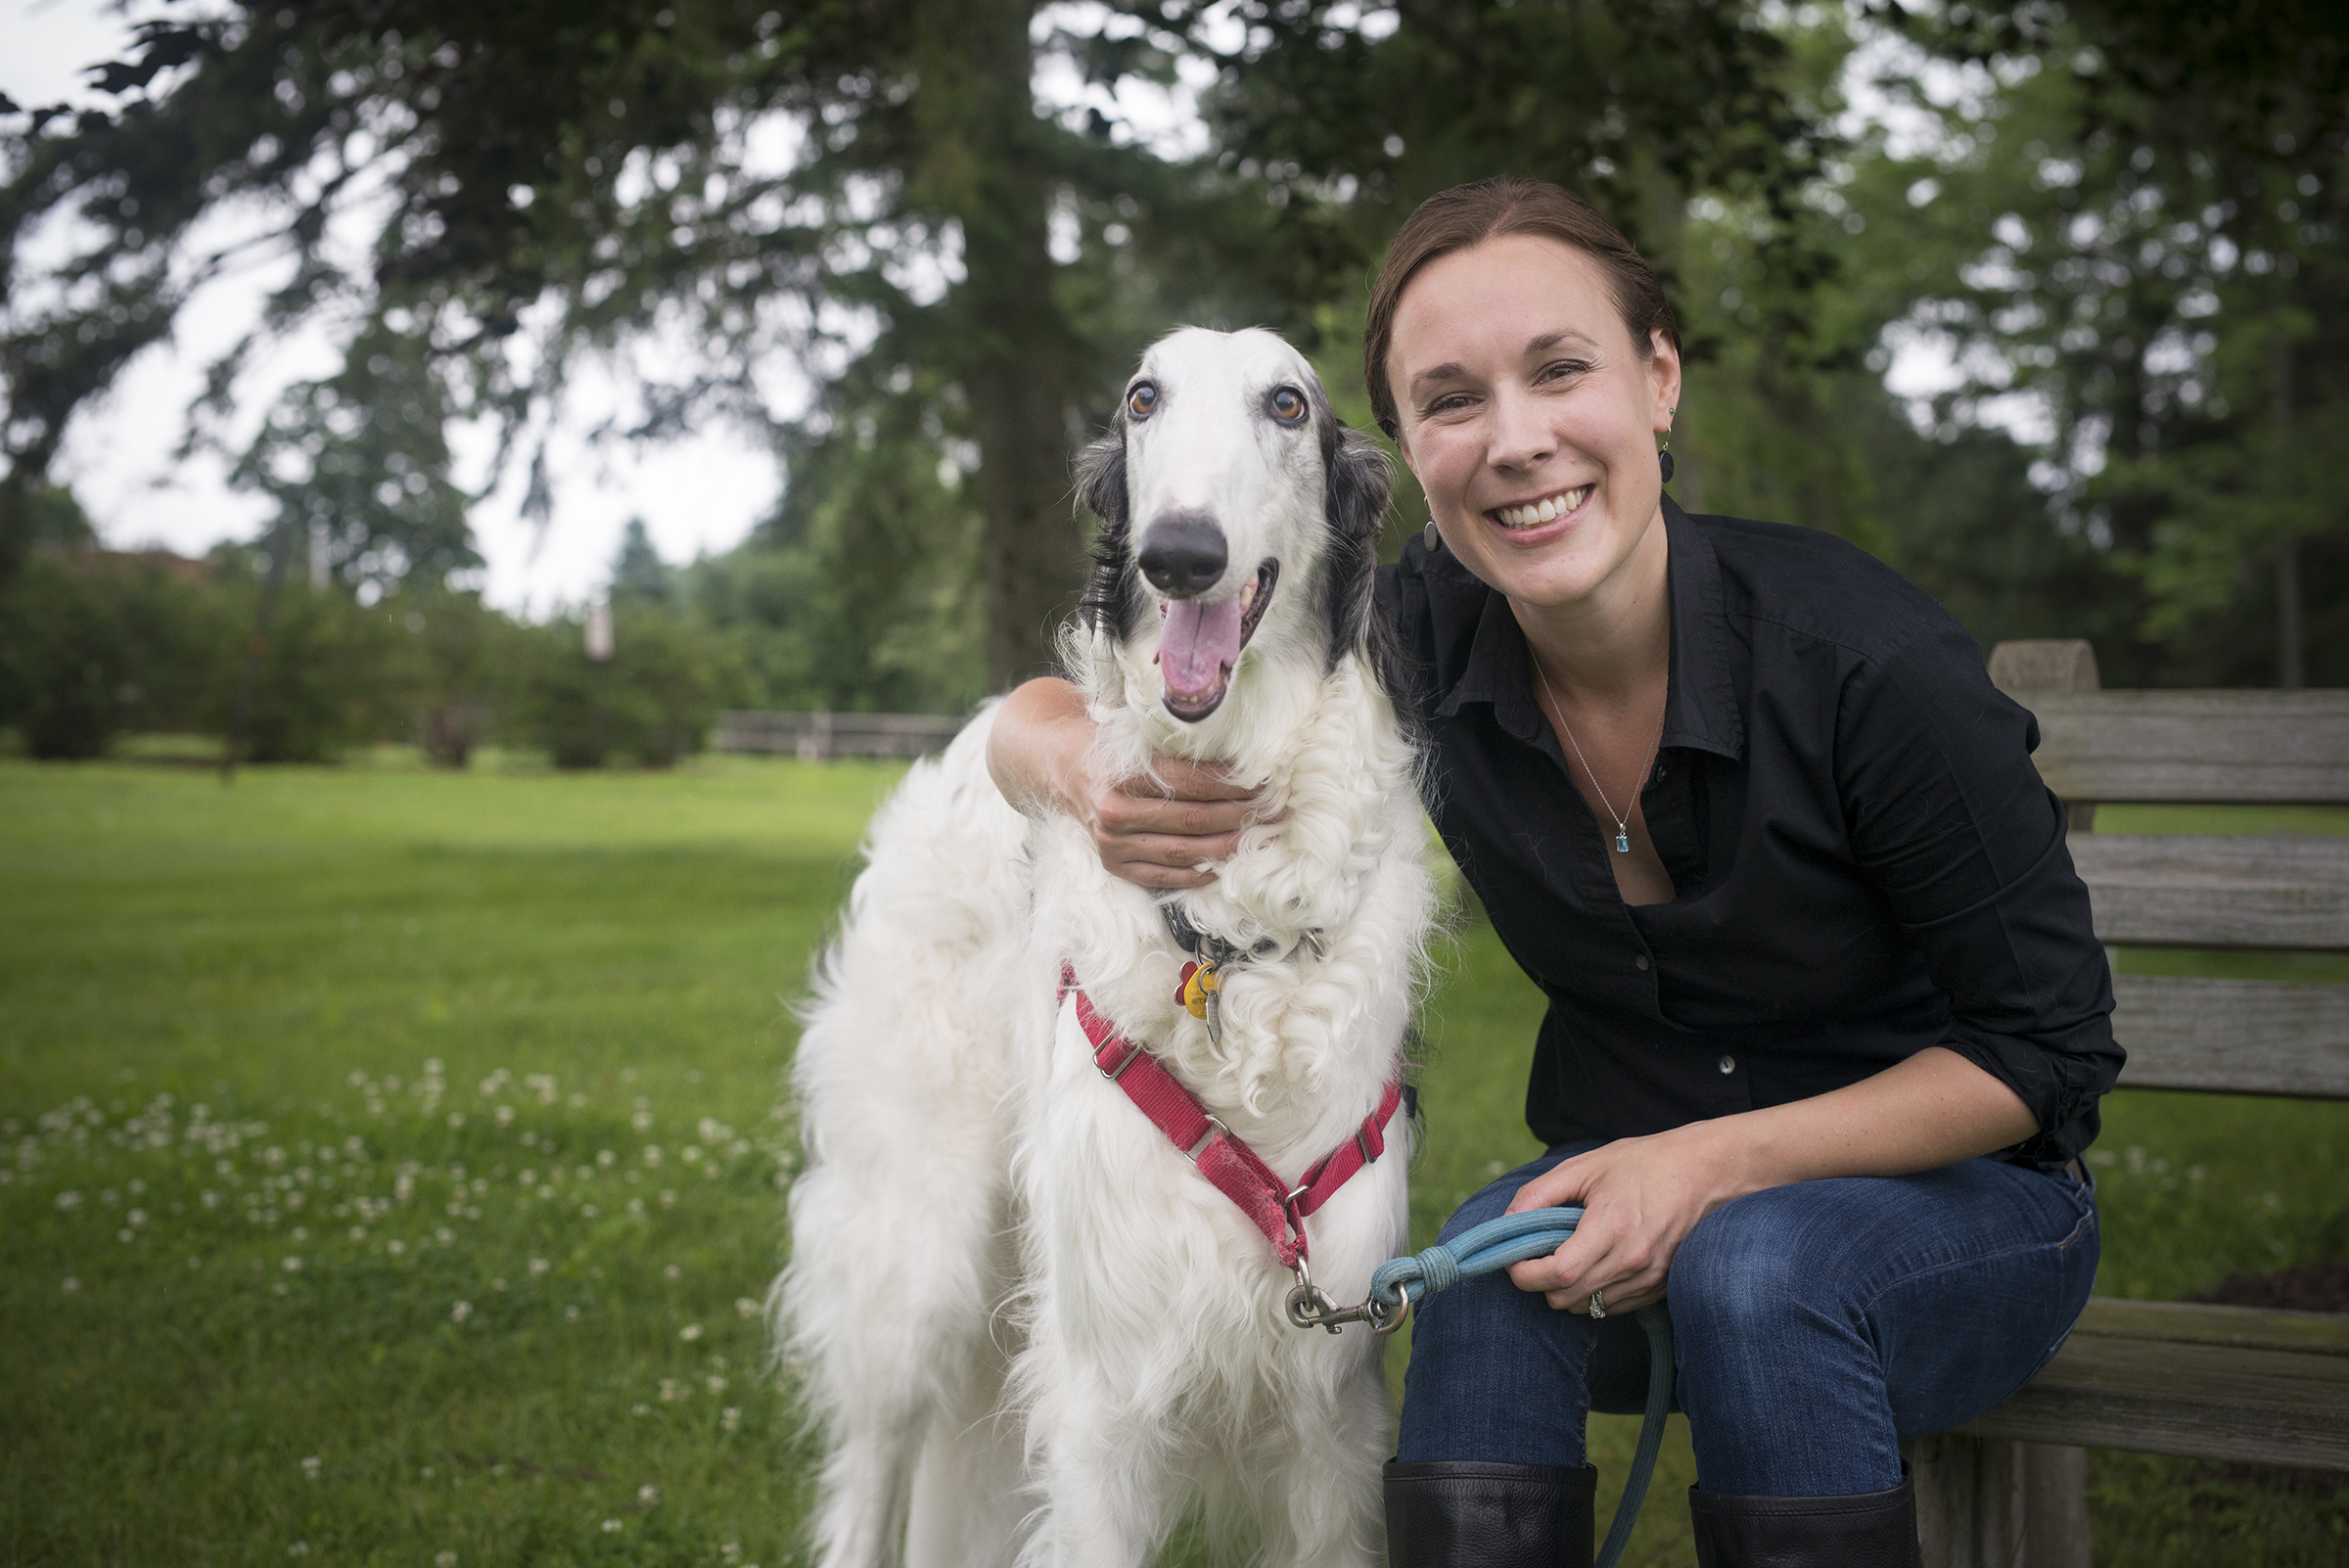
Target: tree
<point x="2164" y="272"/>
<point x="868" y="185"/>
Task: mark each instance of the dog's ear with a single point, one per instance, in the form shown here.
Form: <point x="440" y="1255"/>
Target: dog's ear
<point x="1358" y="482"/>
<point x="1109" y="604"/>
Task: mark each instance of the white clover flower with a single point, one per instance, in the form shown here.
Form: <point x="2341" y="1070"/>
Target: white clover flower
<point x="652" y="1154"/>
<point x="460" y="1311"/>
<point x="647" y="1496"/>
<point x="673" y="1271"/>
<point x="641" y="1121"/>
<point x="67" y="1202"/>
<point x="744" y="1307"/>
<point x="540" y="1266"/>
<point x="640" y="1410"/>
<point x="571" y="1314"/>
<point x="588" y="1211"/>
<point x="359" y="1232"/>
<point x="299" y="1548"/>
<point x="603" y="1157"/>
<point x="311" y="1466"/>
<point x="612" y="1527"/>
<point x="291" y="1265"/>
<point x="715" y="1383"/>
<point x="729" y="1419"/>
<point x="137" y="1217"/>
<point x="444" y="1559"/>
<point x="635" y="1205"/>
<point x="669" y="1197"/>
<point x="672" y="1391"/>
<point x="690" y="1332"/>
<point x="395" y="1247"/>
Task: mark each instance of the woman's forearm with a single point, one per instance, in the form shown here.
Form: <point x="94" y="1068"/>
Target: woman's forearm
<point x="1028" y="748"/>
<point x="1931" y="1109"/>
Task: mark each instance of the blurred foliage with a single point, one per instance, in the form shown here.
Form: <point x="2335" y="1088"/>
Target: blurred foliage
<point x="651" y="702"/>
<point x="2118" y="223"/>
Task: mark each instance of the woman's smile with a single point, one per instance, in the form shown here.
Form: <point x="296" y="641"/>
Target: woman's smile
<point x="1518" y="516"/>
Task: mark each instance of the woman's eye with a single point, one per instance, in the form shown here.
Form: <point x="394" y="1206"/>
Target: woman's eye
<point x="1288" y="405"/>
<point x="1141" y="400"/>
<point x="1563" y="368"/>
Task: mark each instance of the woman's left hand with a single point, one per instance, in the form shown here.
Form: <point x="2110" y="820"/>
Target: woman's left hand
<point x="1639" y="1198"/>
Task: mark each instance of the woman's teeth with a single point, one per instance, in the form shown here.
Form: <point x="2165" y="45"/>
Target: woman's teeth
<point x="1536" y="513"/>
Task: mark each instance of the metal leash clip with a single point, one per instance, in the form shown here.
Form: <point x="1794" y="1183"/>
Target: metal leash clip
<point x="1310" y="1307"/>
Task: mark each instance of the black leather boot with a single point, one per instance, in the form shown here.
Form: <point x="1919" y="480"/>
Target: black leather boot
<point x="1865" y="1530"/>
<point x="1471" y="1514"/>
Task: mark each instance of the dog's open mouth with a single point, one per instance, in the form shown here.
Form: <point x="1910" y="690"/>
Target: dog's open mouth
<point x="1201" y="642"/>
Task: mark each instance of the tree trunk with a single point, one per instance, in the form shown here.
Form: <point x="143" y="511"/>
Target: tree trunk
<point x="980" y="163"/>
<point x="240" y="718"/>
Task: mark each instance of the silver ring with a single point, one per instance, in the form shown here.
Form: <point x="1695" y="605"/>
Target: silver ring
<point x="1599" y="1304"/>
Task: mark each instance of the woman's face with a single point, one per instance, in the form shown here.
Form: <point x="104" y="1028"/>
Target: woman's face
<point x="1529" y="416"/>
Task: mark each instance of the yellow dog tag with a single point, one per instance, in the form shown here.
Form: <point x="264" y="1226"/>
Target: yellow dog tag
<point x="1198" y="983"/>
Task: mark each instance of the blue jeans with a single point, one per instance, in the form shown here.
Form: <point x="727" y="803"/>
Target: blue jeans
<point x="1814" y="1328"/>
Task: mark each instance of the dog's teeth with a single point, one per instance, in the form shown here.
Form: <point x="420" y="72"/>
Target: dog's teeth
<point x="1247" y="597"/>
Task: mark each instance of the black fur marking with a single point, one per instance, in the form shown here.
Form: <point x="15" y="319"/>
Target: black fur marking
<point x="1356" y="483"/>
<point x="1112" y="602"/>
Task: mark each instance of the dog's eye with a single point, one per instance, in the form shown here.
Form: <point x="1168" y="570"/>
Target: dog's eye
<point x="1142" y="400"/>
<point x="1288" y="405"/>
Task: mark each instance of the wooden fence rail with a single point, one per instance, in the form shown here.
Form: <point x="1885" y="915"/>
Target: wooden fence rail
<point x="819" y="736"/>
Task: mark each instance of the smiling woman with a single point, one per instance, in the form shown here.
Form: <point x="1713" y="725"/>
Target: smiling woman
<point x="1827" y="1024"/>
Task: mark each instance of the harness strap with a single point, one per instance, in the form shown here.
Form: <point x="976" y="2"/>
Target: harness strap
<point x="1230" y="1164"/>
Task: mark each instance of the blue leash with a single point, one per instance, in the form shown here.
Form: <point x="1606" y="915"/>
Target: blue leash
<point x="1514" y="1238"/>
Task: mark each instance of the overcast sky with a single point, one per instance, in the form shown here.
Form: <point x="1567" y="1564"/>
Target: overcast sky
<point x="699" y="494"/>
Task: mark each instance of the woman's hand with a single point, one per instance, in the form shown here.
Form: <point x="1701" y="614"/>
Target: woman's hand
<point x="1156" y="833"/>
<point x="1639" y="1198"/>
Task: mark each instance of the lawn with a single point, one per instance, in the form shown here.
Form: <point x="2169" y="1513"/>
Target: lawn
<point x="393" y="1172"/>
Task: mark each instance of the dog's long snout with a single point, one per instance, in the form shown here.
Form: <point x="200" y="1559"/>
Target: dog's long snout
<point x="1183" y="553"/>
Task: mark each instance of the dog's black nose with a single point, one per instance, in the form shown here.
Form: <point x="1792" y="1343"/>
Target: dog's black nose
<point x="1183" y="553"/>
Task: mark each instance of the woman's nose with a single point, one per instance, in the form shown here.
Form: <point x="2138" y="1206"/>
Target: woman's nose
<point x="1521" y="433"/>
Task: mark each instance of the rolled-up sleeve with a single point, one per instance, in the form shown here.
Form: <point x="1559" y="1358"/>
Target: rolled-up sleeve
<point x="1950" y="819"/>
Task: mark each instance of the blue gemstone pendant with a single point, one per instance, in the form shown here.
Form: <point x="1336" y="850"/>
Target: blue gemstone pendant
<point x="1623" y="842"/>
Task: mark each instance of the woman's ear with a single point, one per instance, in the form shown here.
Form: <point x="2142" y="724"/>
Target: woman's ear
<point x="1663" y="377"/>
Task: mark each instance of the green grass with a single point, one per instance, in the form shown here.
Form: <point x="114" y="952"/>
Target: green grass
<point x="217" y="1008"/>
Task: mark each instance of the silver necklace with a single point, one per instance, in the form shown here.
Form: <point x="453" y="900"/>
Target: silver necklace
<point x="1623" y="819"/>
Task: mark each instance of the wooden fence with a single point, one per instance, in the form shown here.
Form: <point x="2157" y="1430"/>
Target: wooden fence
<point x="817" y="737"/>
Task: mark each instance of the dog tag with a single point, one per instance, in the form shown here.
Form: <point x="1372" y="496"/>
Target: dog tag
<point x="1215" y="1016"/>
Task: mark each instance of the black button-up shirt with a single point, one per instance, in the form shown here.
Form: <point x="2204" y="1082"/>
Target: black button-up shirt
<point x="1863" y="861"/>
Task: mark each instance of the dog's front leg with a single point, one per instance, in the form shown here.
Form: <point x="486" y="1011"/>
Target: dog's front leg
<point x="1323" y="1479"/>
<point x="1108" y="1499"/>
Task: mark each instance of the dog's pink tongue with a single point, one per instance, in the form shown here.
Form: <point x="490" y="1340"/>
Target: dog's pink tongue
<point x="1198" y="642"/>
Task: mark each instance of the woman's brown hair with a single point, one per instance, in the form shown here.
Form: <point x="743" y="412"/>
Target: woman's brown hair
<point x="1470" y="214"/>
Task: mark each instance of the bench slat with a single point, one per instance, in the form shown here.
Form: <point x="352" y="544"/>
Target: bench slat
<point x="2189" y="891"/>
<point x="2234" y="1036"/>
<point x="2243" y="746"/>
<point x="2193" y="1323"/>
<point x="2255" y="1407"/>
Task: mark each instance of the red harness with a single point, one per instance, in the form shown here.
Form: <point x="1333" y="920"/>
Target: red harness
<point x="1237" y="1171"/>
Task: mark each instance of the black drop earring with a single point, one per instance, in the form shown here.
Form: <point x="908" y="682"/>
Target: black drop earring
<point x="1429" y="537"/>
<point x="1664" y="452"/>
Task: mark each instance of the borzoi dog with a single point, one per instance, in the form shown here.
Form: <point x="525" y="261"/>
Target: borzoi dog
<point x="1062" y="1134"/>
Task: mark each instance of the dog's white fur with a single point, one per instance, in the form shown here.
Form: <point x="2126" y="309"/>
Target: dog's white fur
<point x="1031" y="1330"/>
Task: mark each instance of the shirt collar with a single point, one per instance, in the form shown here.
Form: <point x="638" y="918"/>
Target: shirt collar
<point x="1700" y="707"/>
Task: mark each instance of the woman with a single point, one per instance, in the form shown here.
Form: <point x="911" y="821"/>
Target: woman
<point x="1828" y="1022"/>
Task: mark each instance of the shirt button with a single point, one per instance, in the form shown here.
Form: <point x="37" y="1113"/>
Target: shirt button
<point x="1728" y="1064"/>
<point x="1641" y="963"/>
<point x="1661" y="771"/>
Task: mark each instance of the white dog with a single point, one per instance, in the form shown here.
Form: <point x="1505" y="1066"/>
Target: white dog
<point x="1034" y="1327"/>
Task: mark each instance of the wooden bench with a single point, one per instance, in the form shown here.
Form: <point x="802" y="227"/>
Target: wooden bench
<point x="2226" y="1383"/>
